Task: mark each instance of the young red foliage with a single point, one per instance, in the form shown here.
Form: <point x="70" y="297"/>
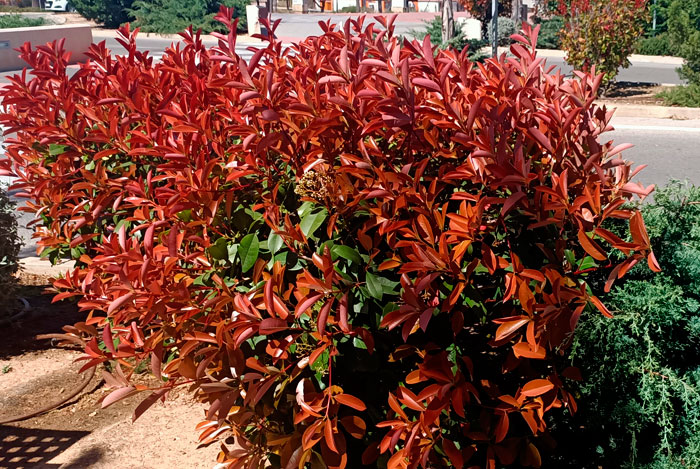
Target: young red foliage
<point x="350" y="249"/>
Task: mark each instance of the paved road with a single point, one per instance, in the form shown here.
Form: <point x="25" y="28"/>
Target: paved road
<point x="642" y="72"/>
<point x="671" y="149"/>
<point x="296" y="26"/>
<point x="156" y="46"/>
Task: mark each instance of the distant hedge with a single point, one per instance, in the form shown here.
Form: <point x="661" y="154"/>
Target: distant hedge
<point x="110" y="13"/>
<point x="19" y="21"/>
<point x="173" y="16"/>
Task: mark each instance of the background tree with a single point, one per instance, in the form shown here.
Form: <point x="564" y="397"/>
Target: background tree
<point x="684" y="29"/>
<point x="602" y="34"/>
<point x="481" y="9"/>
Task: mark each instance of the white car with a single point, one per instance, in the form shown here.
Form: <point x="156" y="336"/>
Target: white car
<point x="58" y="5"/>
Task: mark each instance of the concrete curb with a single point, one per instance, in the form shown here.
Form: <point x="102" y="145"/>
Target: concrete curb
<point x="647" y="111"/>
<point x="34" y="266"/>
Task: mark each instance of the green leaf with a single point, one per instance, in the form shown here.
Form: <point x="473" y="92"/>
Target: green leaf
<point x="388" y="286"/>
<point x="232" y="250"/>
<point x="248" y="251"/>
<point x="256" y="216"/>
<point x="203" y="279"/>
<point x="374" y="286"/>
<point x="56" y="149"/>
<point x="587" y="263"/>
<point x="185" y="215"/>
<point x="312" y="221"/>
<point x="389" y="307"/>
<point x="305" y="208"/>
<point x="359" y="343"/>
<point x="570" y="256"/>
<point x="348" y="253"/>
<point x="274" y="242"/>
<point x="321" y="363"/>
<point x="218" y="249"/>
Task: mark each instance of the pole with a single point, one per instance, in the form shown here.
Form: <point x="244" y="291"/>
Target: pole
<point x="653" y="27"/>
<point x="494" y="28"/>
<point x="448" y="21"/>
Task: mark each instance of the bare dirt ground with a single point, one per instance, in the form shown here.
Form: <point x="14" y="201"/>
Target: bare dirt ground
<point x="625" y="92"/>
<point x="80" y="434"/>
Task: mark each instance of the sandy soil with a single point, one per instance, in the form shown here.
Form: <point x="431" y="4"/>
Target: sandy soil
<point x="80" y="434"/>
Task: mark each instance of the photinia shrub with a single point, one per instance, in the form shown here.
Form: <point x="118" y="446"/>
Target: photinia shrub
<point x="600" y="35"/>
<point x="356" y="250"/>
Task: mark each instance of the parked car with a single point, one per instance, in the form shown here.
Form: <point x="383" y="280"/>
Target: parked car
<point x="58" y="5"/>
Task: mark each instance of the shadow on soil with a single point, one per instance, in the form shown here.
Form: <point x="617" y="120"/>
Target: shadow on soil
<point x="44" y="317"/>
<point x="25" y="448"/>
<point x="628" y="89"/>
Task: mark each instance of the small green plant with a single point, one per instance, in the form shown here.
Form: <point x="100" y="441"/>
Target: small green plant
<point x="10" y="244"/>
<point x="684" y="30"/>
<point x="550" y="30"/>
<point x="506" y="28"/>
<point x="19" y="21"/>
<point x="173" y="16"/>
<point x="17" y="9"/>
<point x="459" y="41"/>
<point x="660" y="44"/>
<point x="640" y="401"/>
<point x="687" y="96"/>
<point x="110" y="13"/>
<point x="6" y="369"/>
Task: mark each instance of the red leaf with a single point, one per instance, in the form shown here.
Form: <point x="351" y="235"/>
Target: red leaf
<point x="350" y="401"/>
<point x="536" y="387"/>
<point x="272" y="325"/>
<point x="354" y="425"/>
<point x="119" y="301"/>
<point x="601" y="307"/>
<point x="329" y="436"/>
<point x="541" y="139"/>
<point x="591" y="247"/>
<point x="118" y="395"/>
<point x="507" y="329"/>
<point x="108" y="339"/>
<point x="148" y="402"/>
<point x="453" y="453"/>
<point x="523" y="349"/>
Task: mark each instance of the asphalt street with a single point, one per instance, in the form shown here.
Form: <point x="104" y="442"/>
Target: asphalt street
<point x="641" y="72"/>
<point x="671" y="149"/>
<point x="295" y="26"/>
